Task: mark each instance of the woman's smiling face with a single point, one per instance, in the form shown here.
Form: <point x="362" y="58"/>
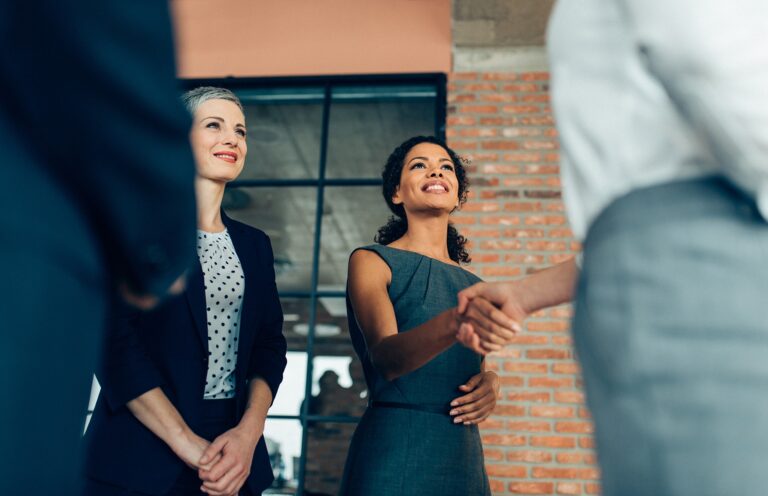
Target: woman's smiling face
<point x="428" y="180"/>
<point x="218" y="140"/>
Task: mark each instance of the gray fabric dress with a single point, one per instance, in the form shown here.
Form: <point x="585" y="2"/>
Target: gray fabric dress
<point x="406" y="443"/>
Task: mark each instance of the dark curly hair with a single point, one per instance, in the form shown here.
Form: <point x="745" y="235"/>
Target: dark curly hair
<point x="397" y="225"/>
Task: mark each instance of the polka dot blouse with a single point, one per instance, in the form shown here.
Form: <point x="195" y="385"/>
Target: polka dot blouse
<point x="224" y="286"/>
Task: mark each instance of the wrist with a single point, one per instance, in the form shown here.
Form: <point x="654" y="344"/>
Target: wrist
<point x="178" y="438"/>
<point x="454" y="322"/>
<point x="519" y="294"/>
<point x="251" y="427"/>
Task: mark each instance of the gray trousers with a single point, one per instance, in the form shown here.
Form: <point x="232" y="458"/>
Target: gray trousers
<point x="671" y="329"/>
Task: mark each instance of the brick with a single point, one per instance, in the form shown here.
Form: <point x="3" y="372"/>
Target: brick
<point x="531" y="487"/>
<point x="546" y="353"/>
<point x="499" y="98"/>
<point x="500" y="77"/>
<point x="552" y="411"/>
<point x="587" y="442"/>
<point x="550" y="382"/>
<point x="533" y="368"/>
<point x="527" y="339"/>
<point x="568" y="488"/>
<point x="521" y="88"/>
<point x="566" y="368"/>
<point x="494" y="454"/>
<point x="529" y="426"/>
<point x="503" y="440"/>
<point x="480" y="87"/>
<point x="463" y="76"/>
<point x="554" y="326"/>
<point x="592" y="488"/>
<point x="500" y="145"/>
<point x="459" y="98"/>
<point x="521" y="109"/>
<point x="478" y="109"/>
<point x="571" y="458"/>
<point x="491" y="424"/>
<point x="509" y="410"/>
<point x="515" y="471"/>
<point x="574" y="427"/>
<point x="529" y="456"/>
<point x="497" y="486"/>
<point x="460" y="120"/>
<point x="565" y="473"/>
<point x="553" y="442"/>
<point x="528" y="396"/>
<point x="535" y="76"/>
<point x="569" y="397"/>
<point x="501" y="169"/>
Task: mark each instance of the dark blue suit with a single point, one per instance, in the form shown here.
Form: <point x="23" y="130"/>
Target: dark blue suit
<point x="96" y="189"/>
<point x="168" y="348"/>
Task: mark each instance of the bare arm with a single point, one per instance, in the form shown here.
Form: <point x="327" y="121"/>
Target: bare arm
<point x="393" y="354"/>
<point x="516" y="299"/>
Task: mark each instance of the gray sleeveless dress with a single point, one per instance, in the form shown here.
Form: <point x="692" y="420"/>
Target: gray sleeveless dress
<point x="406" y="443"/>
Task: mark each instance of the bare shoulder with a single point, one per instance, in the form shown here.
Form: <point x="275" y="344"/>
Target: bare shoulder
<point x="368" y="268"/>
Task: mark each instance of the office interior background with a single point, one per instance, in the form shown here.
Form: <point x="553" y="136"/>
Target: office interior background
<point x="330" y="88"/>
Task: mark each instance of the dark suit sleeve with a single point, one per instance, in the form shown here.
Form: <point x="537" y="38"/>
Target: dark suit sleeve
<point x="126" y="371"/>
<point x="268" y="355"/>
<point x="95" y="82"/>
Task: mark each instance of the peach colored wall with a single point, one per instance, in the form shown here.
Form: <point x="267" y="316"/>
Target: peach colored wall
<point x="218" y="38"/>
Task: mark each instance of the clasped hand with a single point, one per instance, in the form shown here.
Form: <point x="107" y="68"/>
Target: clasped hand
<point x="226" y="463"/>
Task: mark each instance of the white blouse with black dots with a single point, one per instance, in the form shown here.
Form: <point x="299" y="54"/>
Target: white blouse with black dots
<point x="224" y="287"/>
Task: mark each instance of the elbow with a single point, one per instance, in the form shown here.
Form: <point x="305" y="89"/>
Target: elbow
<point x="388" y="368"/>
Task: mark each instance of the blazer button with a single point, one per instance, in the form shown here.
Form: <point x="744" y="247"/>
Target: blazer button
<point x="205" y="360"/>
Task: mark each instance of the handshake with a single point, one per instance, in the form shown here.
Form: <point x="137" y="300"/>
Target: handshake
<point x="491" y="314"/>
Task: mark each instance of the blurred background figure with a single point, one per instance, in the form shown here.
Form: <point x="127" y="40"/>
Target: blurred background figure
<point x="666" y="182"/>
<point x="96" y="194"/>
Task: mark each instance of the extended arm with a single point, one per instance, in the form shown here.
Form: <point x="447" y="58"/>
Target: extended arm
<point x="516" y="299"/>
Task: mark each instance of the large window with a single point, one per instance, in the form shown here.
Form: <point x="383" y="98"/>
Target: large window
<point x="312" y="182"/>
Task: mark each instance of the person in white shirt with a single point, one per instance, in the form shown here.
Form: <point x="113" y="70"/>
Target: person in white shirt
<point x="662" y="109"/>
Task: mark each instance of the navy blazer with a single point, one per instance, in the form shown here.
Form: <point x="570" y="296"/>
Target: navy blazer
<point x="168" y="348"/>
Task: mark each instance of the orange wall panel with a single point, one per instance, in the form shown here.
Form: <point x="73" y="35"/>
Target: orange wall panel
<point x="218" y="38"/>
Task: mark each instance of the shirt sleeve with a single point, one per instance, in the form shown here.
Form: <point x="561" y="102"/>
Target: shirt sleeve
<point x="710" y="57"/>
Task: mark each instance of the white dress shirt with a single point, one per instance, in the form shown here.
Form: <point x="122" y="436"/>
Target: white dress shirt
<point x="652" y="91"/>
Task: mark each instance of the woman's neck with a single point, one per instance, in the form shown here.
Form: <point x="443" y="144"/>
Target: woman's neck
<point x="209" y="195"/>
<point x="426" y="235"/>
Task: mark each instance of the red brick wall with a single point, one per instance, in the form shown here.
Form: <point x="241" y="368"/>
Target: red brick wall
<point x="539" y="440"/>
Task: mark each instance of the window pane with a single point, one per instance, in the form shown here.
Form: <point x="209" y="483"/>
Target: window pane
<point x="291" y="393"/>
<point x="284" y="132"/>
<point x="351" y="217"/>
<point x="283" y="438"/>
<point x="327" y="446"/>
<point x="287" y="215"/>
<point x="367" y="123"/>
<point x="338" y="383"/>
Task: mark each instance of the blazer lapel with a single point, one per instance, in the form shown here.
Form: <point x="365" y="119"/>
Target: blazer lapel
<point x="245" y="251"/>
